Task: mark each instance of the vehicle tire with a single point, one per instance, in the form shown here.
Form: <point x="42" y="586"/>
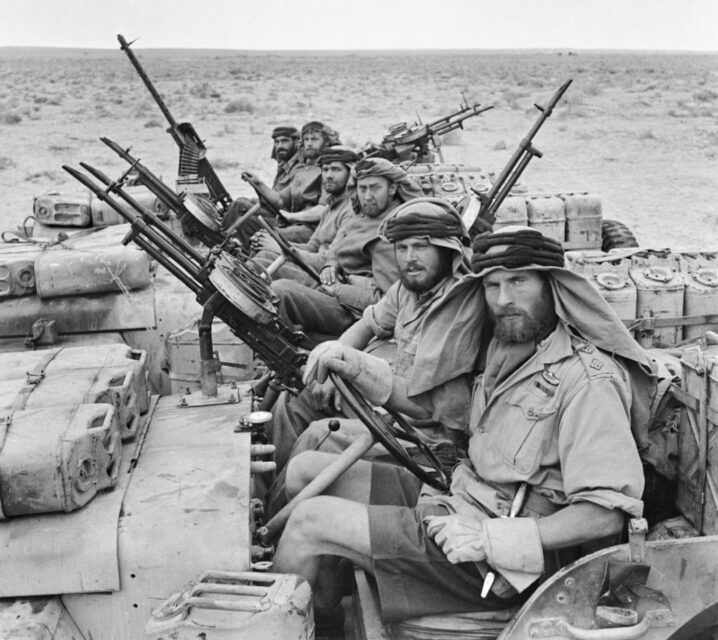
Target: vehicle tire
<point x="616" y="235"/>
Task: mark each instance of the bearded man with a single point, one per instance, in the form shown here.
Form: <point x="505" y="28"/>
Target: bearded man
<point x="360" y="266"/>
<point x="432" y="253"/>
<point x="551" y="397"/>
<point x="301" y="194"/>
<point x="285" y="151"/>
<point x="337" y="163"/>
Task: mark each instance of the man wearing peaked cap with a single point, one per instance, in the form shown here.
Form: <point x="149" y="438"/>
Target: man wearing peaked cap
<point x="285" y="151"/>
<point x="552" y="380"/>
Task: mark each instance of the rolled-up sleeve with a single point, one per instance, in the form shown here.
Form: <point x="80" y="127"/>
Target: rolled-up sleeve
<point x="599" y="458"/>
<point x="381" y="317"/>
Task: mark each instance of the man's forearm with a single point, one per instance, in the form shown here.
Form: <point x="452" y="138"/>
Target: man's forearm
<point x="357" y="336"/>
<point x="271" y="196"/>
<point x="311" y="215"/>
<point x="578" y="523"/>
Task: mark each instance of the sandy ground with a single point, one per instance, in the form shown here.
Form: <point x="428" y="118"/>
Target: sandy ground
<point x="639" y="130"/>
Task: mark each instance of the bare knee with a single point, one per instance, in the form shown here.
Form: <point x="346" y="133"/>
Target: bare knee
<point x="308" y="524"/>
<point x="303" y="468"/>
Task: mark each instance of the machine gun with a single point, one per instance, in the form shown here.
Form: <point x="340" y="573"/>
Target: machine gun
<point x="490" y="201"/>
<point x="227" y="286"/>
<point x="195" y="173"/>
<point x="418" y="142"/>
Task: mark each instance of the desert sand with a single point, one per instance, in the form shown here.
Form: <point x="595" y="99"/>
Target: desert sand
<point x="638" y="129"/>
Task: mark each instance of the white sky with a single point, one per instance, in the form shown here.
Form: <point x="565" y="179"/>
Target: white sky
<point x="363" y="24"/>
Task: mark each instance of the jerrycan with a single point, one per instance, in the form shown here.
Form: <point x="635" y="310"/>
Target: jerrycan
<point x="68" y="272"/>
<point x="57" y="458"/>
<point x="546" y="214"/>
<point x="512" y="211"/>
<point x="17" y="269"/>
<point x="227" y="605"/>
<point x="583" y="220"/>
<point x="701" y="294"/>
<point x="611" y="279"/>
<point x="660" y="288"/>
<point x="63" y="209"/>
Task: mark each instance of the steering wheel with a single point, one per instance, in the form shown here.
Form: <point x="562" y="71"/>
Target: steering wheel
<point x="379" y="430"/>
<point x="389" y="434"/>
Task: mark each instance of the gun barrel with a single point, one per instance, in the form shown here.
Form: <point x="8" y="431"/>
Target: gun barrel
<point x="168" y="197"/>
<point x="510" y="174"/>
<point x="152" y="242"/>
<point x="125" y="46"/>
<point x="455" y="120"/>
<point x="149" y="217"/>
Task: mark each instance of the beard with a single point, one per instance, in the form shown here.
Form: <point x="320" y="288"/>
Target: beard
<point x="335" y="188"/>
<point x="424" y="280"/>
<point x="284" y="154"/>
<point x="512" y="325"/>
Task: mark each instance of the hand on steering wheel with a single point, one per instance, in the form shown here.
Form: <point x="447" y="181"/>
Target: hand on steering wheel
<point x="389" y="435"/>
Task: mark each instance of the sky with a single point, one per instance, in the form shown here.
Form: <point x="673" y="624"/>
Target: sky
<point x="363" y="24"/>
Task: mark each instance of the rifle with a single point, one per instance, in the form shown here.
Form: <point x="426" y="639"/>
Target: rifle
<point x="194" y="167"/>
<point x="403" y="139"/>
<point x="228" y="287"/>
<point x="491" y="201"/>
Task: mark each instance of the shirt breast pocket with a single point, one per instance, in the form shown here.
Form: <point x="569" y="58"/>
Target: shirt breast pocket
<point x="527" y="429"/>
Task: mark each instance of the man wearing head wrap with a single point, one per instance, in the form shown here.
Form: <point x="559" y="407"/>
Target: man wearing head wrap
<point x="359" y="266"/>
<point x="337" y="163"/>
<point x="430" y="243"/>
<point x="556" y="390"/>
<point x="300" y="196"/>
<point x="285" y="151"/>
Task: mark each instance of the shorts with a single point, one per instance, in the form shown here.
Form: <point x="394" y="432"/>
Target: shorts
<point x="413" y="576"/>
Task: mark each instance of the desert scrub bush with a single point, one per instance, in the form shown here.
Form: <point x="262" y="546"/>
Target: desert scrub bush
<point x="705" y="95"/>
<point x="36" y="176"/>
<point x="221" y="164"/>
<point x="152" y="123"/>
<point x="201" y="90"/>
<point x="6" y="163"/>
<point x="11" y="118"/>
<point x="647" y="134"/>
<point x="512" y="97"/>
<point x="241" y="105"/>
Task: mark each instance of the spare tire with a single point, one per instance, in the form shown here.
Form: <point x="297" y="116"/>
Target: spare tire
<point x="616" y="235"/>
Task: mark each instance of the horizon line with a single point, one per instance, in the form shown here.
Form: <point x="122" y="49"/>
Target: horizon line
<point x="551" y="49"/>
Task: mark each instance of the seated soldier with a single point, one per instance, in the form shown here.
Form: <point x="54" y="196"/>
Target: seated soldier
<point x="360" y="266"/>
<point x="301" y="194"/>
<point x="285" y="151"/>
<point x="550" y="408"/>
<point x="337" y="163"/>
<point x="431" y="247"/>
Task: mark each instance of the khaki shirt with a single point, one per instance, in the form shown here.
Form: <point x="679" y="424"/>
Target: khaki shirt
<point x="335" y="213"/>
<point x="285" y="172"/>
<point x="400" y="315"/>
<point x="304" y="190"/>
<point x="368" y="262"/>
<point x="560" y="423"/>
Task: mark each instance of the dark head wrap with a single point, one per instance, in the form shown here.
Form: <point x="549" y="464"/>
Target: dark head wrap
<point x="432" y="217"/>
<point x="285" y="131"/>
<point x="514" y="247"/>
<point x="338" y="153"/>
<point x="407" y="188"/>
<point x="331" y="137"/>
